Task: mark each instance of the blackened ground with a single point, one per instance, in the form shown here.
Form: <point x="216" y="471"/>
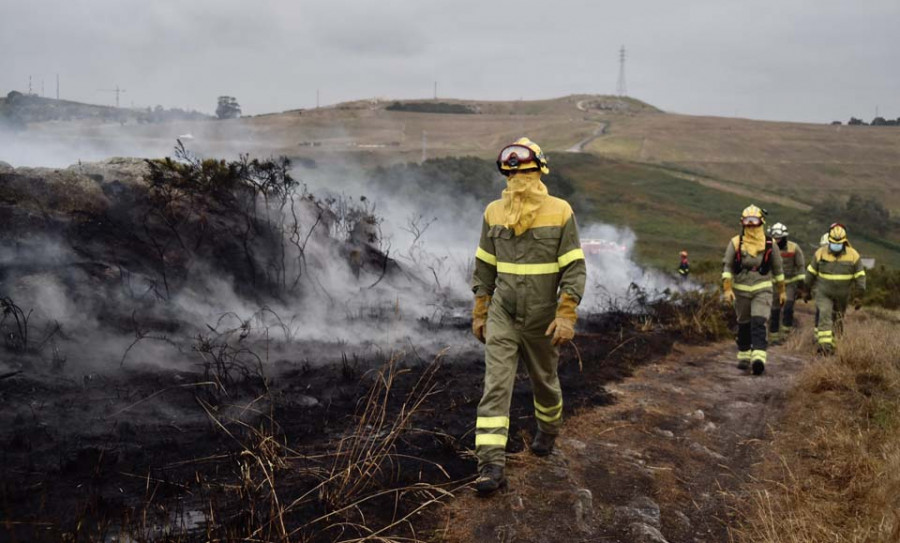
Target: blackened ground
<point x="81" y="458"/>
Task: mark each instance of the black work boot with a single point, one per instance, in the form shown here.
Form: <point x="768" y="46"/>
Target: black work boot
<point x="542" y="445"/>
<point x="758" y="367"/>
<point x="490" y="478"/>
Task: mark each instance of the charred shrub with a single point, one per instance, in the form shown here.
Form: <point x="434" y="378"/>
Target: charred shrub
<point x="14" y="326"/>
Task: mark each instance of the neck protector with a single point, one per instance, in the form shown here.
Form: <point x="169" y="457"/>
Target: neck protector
<point x="754" y="240"/>
<point x="522" y="197"/>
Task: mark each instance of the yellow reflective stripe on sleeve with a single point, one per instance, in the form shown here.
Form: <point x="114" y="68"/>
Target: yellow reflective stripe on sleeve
<point x="860" y="273"/>
<point x="779" y="278"/>
<point x="753" y="288"/>
<point x="727" y="275"/>
<point x="491" y="440"/>
<point x="528" y="269"/>
<point x="485" y="256"/>
<point x="548" y="418"/>
<point x="492" y="422"/>
<point x="811" y="270"/>
<point x="544" y="409"/>
<point x="571" y="256"/>
<point x="796" y="278"/>
<point x="836" y="277"/>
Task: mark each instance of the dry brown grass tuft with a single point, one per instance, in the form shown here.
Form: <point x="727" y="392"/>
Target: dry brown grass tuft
<point x="834" y="469"/>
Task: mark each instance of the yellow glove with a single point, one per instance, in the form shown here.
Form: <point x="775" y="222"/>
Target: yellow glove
<point x="727" y="291"/>
<point x="479" y="316"/>
<point x="563" y="326"/>
<point x="782" y="295"/>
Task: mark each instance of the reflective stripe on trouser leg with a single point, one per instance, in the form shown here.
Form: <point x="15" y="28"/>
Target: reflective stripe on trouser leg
<point x="501" y="357"/>
<point x="824" y="337"/>
<point x="744" y="355"/>
<point x="757" y="354"/>
<point x="541" y="359"/>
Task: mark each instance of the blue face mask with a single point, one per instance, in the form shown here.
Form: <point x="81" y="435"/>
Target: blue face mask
<point x="836" y="247"/>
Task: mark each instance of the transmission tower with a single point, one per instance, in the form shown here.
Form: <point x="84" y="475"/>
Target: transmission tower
<point x="116" y="90"/>
<point x="620" y="86"/>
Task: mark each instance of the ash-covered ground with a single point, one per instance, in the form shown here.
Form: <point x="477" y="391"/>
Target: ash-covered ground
<point x="201" y="349"/>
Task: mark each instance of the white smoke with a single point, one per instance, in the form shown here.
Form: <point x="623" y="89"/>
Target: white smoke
<point x="612" y="273"/>
<point x="339" y="308"/>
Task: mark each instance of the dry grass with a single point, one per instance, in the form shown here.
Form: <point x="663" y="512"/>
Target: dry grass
<point x="833" y="472"/>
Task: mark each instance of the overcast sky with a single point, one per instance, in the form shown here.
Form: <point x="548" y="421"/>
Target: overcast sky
<point x="804" y="60"/>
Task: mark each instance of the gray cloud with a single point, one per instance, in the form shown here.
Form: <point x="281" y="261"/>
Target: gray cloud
<point x="809" y="60"/>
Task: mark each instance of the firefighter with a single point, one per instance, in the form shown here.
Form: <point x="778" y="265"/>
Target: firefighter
<point x="833" y="269"/>
<point x="751" y="264"/>
<point x="529" y="278"/>
<point x="794" y="271"/>
<point x="684" y="267"/>
<point x="808" y="295"/>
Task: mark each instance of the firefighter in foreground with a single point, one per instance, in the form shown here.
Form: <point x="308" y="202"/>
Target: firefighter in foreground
<point x="794" y="271"/>
<point x="832" y="271"/>
<point x="751" y="265"/>
<point x="529" y="277"/>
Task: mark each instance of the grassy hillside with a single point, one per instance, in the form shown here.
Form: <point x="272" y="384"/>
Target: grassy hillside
<point x="806" y="162"/>
<point x="670" y="213"/>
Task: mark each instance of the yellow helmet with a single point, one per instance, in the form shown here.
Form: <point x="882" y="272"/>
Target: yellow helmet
<point x="522" y="155"/>
<point x="837" y="233"/>
<point x="752" y="216"/>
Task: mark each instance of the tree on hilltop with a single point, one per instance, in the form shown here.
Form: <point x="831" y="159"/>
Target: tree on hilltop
<point x="228" y="108"/>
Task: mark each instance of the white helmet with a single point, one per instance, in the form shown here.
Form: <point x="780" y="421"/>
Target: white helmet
<point x="778" y="230"/>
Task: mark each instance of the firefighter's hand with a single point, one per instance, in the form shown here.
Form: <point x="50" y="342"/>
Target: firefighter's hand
<point x="562" y="330"/>
<point x="857" y="304"/>
<point x="478" y="329"/>
<point x="479" y="316"/>
<point x="807" y="295"/>
<point x="728" y="297"/>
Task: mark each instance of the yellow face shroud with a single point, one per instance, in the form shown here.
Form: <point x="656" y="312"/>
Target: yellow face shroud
<point x="754" y="240"/>
<point x="522" y="197"/>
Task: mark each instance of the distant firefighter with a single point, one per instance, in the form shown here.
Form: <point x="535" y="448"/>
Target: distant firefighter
<point x="833" y="269"/>
<point x="684" y="267"/>
<point x="794" y="271"/>
<point x="751" y="264"/>
<point x="529" y="277"/>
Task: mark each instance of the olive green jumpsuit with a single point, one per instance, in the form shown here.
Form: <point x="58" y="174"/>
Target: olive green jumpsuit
<point x="832" y="275"/>
<point x="525" y="276"/>
<point x="753" y="297"/>
<point x="794" y="269"/>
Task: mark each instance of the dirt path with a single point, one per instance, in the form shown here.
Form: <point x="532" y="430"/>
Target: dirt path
<point x="579" y="147"/>
<point x="754" y="193"/>
<point x="665" y="463"/>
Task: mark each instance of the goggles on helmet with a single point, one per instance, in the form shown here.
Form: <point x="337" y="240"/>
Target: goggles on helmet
<point x="514" y="155"/>
<point x="751" y="221"/>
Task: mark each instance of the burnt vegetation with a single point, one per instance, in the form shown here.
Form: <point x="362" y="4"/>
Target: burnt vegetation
<point x="245" y="434"/>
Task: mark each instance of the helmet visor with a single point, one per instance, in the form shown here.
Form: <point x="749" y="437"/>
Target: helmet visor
<point x="514" y="155"/>
<point x="751" y="221"/>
